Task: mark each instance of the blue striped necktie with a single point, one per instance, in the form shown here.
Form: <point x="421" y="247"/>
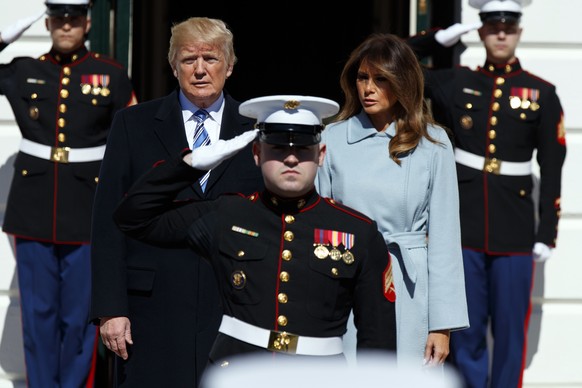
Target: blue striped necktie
<point x="201" y="139"/>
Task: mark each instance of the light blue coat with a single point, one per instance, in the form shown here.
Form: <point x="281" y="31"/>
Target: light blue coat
<point x="409" y="202"/>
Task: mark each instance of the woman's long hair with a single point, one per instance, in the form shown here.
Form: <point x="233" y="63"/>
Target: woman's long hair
<point x="393" y="59"/>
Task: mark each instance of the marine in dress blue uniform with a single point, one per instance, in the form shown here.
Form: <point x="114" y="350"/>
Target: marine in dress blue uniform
<point x="289" y="267"/>
<point x="63" y="104"/>
<point x="500" y="115"/>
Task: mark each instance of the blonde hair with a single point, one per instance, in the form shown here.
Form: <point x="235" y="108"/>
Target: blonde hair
<point x="202" y="29"/>
<point x="393" y="59"/>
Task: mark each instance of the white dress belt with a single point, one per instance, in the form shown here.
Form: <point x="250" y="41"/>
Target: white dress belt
<point x="62" y="154"/>
<point x="280" y="341"/>
<point x="492" y="165"/>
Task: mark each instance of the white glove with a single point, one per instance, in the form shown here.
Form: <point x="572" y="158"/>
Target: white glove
<point x="452" y="34"/>
<point x="210" y="156"/>
<point x="14" y="31"/>
<point x="541" y="252"/>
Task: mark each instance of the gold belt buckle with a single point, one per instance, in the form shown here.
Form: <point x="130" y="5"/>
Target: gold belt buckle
<point x="60" y="154"/>
<point x="492" y="165"/>
<point x="283" y="342"/>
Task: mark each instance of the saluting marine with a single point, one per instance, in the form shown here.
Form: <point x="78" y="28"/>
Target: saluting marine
<point x="500" y="114"/>
<point x="290" y="264"/>
<point x="63" y="103"/>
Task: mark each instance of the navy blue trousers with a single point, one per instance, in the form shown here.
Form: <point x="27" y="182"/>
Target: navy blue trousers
<point x="498" y="293"/>
<point x="55" y="294"/>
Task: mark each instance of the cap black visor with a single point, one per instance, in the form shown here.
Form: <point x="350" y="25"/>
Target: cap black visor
<point x="67" y="10"/>
<point x="290" y="134"/>
<point x="500" y="16"/>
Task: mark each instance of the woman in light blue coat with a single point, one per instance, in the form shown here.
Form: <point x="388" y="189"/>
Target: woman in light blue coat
<point x="388" y="159"/>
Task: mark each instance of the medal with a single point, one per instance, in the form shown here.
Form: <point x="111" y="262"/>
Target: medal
<point x="525" y="104"/>
<point x="348" y="257"/>
<point x="335" y="238"/>
<point x="321" y="251"/>
<point x="85" y="88"/>
<point x="348" y="240"/>
<point x="105" y="91"/>
<point x="534" y="106"/>
<point x="96" y="90"/>
<point x="515" y="102"/>
<point x="320" y="242"/>
<point x="335" y="254"/>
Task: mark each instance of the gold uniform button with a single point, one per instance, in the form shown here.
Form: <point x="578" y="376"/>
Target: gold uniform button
<point x="289" y="219"/>
<point x="469" y="105"/>
<point x="61" y="137"/>
<point x="522" y="116"/>
<point x="42" y="58"/>
<point x="240" y="253"/>
<point x="492" y="148"/>
<point x="64" y="93"/>
<point x="65" y="81"/>
<point x="284" y="276"/>
<point x="493" y="120"/>
<point x="74" y="57"/>
<point x="466" y="122"/>
<point x="522" y="193"/>
<point x="287" y="255"/>
<point x="495" y="106"/>
<point x="62" y="108"/>
<point x="492" y="134"/>
<point x="61" y="122"/>
<point x="282" y="298"/>
<point x="34" y="96"/>
<point x="288" y="236"/>
<point x="334" y="271"/>
<point x="33" y="112"/>
<point x="500" y="81"/>
<point x="282" y="320"/>
<point x="498" y="93"/>
<point x="508" y="68"/>
<point x="24" y="172"/>
<point x="66" y="70"/>
<point x="94" y="101"/>
<point x="96" y="179"/>
<point x="491" y="68"/>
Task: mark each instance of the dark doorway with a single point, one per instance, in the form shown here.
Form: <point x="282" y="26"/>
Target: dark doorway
<point x="282" y="47"/>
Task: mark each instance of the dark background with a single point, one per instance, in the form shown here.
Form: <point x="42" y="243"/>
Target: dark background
<point x="282" y="47"/>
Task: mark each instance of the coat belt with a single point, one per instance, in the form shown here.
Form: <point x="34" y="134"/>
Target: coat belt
<point x="280" y="341"/>
<point x="62" y="154"/>
<point x="405" y="241"/>
<point x="492" y="165"/>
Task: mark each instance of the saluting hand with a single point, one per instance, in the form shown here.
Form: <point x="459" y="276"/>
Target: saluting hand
<point x="208" y="157"/>
<point x="116" y="334"/>
<point x="14" y="31"/>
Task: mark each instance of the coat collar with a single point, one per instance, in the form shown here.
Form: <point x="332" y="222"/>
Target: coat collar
<point x="289" y="205"/>
<point x="360" y="127"/>
<point x="503" y="69"/>
<point x="67" y="59"/>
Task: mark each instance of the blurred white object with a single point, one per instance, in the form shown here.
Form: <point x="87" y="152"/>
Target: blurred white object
<point x="452" y="34"/>
<point x="283" y="371"/>
<point x="14" y="31"/>
<point x="541" y="252"/>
